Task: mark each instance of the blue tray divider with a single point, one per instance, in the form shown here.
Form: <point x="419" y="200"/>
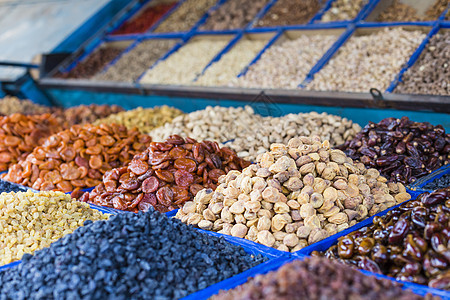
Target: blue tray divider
<point x="321" y="11"/>
<point x="206" y="15"/>
<point x="260" y="14"/>
<point x="258" y="56"/>
<point x="85" y="53"/>
<point x="442" y="16"/>
<point x="328" y="55"/>
<point x="183" y="40"/>
<point x="219" y="55"/>
<point x="419" y="184"/>
<point x="239" y="279"/>
<point x="164" y="17"/>
<point x="414" y="57"/>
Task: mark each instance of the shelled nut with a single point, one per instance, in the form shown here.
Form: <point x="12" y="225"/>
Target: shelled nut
<point x="132" y="64"/>
<point x="145" y="119"/>
<point x="250" y="134"/>
<point x="436" y="9"/>
<point x="233" y="14"/>
<point x="296" y="195"/>
<point x="183" y="66"/>
<point x="231" y="64"/>
<point x="286" y="65"/>
<point x="290" y="12"/>
<point x="367" y="61"/>
<point x="185" y="16"/>
<point x="343" y="10"/>
<point x="399" y="11"/>
<point x="431" y="72"/>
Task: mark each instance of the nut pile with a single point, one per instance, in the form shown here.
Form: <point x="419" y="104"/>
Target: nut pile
<point x="145" y="20"/>
<point x="145" y="119"/>
<point x="402" y="150"/>
<point x="410" y="243"/>
<point x="83" y="114"/>
<point x="134" y="63"/>
<point x="286" y="65"/>
<point x="231" y="64"/>
<point x="78" y="157"/>
<point x="7" y="187"/>
<point x="317" y="278"/>
<point x="251" y="134"/>
<point x="31" y="221"/>
<point x="441" y="182"/>
<point x="343" y="10"/>
<point x="185" y="16"/>
<point x="436" y="9"/>
<point x="165" y="176"/>
<point x="233" y="14"/>
<point x="20" y="134"/>
<point x="368" y="61"/>
<point x="92" y="64"/>
<point x="431" y="72"/>
<point x="183" y="66"/>
<point x="13" y="105"/>
<point x="290" y="12"/>
<point x="295" y="195"/>
<point x="399" y="11"/>
<point x="129" y="256"/>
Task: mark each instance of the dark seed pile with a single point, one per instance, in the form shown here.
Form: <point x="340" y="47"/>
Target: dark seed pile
<point x="7" y="187"/>
<point x="316" y="278"/>
<point x="442" y="182"/>
<point x="130" y="256"/>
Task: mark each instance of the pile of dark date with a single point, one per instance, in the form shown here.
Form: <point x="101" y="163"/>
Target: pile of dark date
<point x="409" y="243"/>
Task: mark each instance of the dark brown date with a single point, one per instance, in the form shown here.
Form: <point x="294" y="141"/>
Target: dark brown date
<point x="402" y="150"/>
<point x="409" y="243"/>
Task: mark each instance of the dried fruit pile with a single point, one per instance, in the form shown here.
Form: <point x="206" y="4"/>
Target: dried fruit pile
<point x="130" y="256"/>
<point x="31" y="221"/>
<point x="78" y="157"/>
<point x="442" y="182"/>
<point x="294" y="196"/>
<point x="410" y="243"/>
<point x="12" y="105"/>
<point x="83" y="114"/>
<point x="20" y="134"/>
<point x="317" y="278"/>
<point x="402" y="150"/>
<point x="165" y="176"/>
<point x="144" y="119"/>
<point x="7" y="187"/>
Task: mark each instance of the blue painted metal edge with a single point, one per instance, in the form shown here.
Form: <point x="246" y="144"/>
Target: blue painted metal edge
<point x="419" y="184"/>
<point x="260" y="14"/>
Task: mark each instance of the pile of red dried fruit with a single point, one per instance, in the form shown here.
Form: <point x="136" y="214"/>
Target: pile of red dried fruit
<point x="78" y="157"/>
<point x="165" y="176"/>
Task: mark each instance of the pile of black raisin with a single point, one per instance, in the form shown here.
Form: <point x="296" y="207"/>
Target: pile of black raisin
<point x="441" y="182"/>
<point x="7" y="187"/>
<point x="130" y="256"/>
